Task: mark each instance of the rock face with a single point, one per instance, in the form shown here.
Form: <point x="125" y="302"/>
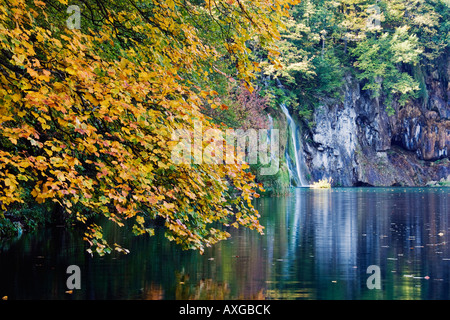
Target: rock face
<point x="356" y="142"/>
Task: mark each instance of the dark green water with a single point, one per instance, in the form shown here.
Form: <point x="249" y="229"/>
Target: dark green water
<point x="317" y="245"/>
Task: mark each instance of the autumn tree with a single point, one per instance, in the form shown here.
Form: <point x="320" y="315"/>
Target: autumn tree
<point x="87" y="115"/>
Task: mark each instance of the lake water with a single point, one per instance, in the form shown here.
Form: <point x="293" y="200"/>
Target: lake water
<point x="317" y="244"/>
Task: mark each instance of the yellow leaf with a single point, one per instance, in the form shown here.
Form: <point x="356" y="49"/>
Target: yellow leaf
<point x="19" y="58"/>
<point x="140" y="219"/>
<point x="40" y="38"/>
<point x="22" y="177"/>
<point x="60" y="176"/>
<point x="16" y="97"/>
<point x="168" y="206"/>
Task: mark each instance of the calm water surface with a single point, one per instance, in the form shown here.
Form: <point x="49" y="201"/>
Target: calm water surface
<point x="317" y="245"/>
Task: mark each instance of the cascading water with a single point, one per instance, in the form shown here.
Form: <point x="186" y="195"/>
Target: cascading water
<point x="294" y="165"/>
<point x="269" y="134"/>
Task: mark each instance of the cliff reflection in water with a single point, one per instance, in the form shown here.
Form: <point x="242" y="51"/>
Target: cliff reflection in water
<point x="317" y="245"/>
<point x="334" y="235"/>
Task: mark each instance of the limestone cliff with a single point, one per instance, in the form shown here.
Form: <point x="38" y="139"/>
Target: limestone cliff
<point x="356" y="142"/>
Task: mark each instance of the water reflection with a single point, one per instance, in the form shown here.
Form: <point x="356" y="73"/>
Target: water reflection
<point x="317" y="245"/>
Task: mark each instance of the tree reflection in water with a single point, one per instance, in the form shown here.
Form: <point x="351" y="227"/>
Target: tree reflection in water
<point x="317" y="245"/>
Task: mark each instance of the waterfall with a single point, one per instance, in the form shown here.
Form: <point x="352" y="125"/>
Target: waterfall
<point x="294" y="165"/>
<point x="269" y="134"/>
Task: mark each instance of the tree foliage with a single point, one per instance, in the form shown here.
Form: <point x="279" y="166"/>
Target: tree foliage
<point x="378" y="60"/>
<point x="380" y="42"/>
<point x="87" y="115"/>
<point x="241" y="109"/>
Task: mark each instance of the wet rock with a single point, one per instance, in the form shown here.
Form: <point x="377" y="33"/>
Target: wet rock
<point x="357" y="143"/>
